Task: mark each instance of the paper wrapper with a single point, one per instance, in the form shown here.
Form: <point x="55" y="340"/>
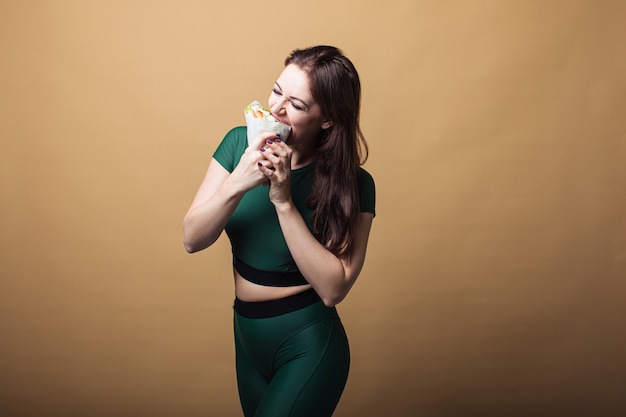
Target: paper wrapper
<point x="260" y="120"/>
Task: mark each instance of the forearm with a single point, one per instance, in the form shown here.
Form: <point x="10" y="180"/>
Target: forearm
<point x="321" y="268"/>
<point x="204" y="223"/>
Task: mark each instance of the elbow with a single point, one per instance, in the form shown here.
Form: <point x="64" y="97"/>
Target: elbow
<point x="196" y="245"/>
<point x="189" y="247"/>
<point x="334" y="298"/>
<point x="187" y="240"/>
<point x="194" y="242"/>
<point x="335" y="293"/>
<point x="193" y="245"/>
<point x="189" y="243"/>
<point x="331" y="302"/>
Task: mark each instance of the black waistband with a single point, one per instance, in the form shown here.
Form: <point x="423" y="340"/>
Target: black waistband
<point x="266" y="278"/>
<point x="272" y="308"/>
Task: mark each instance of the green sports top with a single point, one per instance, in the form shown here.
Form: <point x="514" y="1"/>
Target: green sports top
<point x="253" y="228"/>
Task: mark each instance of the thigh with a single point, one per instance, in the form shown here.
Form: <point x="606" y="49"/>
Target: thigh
<point x="251" y="383"/>
<point x="312" y="370"/>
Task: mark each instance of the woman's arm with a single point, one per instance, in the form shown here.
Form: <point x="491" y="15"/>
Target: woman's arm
<point x="217" y="198"/>
<point x="331" y="277"/>
<point x="210" y="210"/>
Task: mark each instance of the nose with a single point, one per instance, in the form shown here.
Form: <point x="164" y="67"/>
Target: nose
<point x="279" y="105"/>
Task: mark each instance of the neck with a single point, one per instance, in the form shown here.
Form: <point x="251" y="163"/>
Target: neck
<point x="299" y="160"/>
<point x="302" y="155"/>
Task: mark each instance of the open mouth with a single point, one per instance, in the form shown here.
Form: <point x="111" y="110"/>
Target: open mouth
<point x="280" y="119"/>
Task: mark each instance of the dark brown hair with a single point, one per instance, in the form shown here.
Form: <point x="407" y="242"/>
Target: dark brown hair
<point x="336" y="88"/>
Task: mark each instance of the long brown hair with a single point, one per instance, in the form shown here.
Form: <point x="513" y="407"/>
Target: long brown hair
<point x="336" y="88"/>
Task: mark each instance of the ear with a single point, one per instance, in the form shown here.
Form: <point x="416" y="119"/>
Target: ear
<point x="327" y="124"/>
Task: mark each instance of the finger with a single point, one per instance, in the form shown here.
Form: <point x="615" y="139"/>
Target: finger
<point x="272" y="145"/>
<point x="262" y="138"/>
<point x="276" y="141"/>
<point x="266" y="168"/>
<point x="267" y="173"/>
<point x="271" y="160"/>
<point x="266" y="152"/>
<point x="279" y="148"/>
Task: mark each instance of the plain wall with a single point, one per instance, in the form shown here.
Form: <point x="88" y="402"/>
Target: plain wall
<point x="495" y="279"/>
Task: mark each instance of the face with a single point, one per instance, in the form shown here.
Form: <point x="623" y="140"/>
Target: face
<point x="291" y="102"/>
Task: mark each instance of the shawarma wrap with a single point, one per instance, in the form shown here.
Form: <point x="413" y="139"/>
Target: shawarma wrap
<point x="260" y="120"/>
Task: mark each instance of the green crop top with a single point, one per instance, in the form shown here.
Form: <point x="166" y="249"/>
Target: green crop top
<point x="253" y="229"/>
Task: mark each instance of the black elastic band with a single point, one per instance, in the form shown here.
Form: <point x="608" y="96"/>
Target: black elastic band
<point x="272" y="308"/>
<point x="268" y="279"/>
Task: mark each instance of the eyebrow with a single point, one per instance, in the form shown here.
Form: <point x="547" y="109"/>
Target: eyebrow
<point x="293" y="98"/>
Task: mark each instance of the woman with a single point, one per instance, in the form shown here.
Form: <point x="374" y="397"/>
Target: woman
<point x="298" y="212"/>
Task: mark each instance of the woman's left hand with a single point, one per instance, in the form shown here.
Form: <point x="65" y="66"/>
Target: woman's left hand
<point x="276" y="166"/>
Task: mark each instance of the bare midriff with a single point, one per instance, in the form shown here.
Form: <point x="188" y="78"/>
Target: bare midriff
<point x="249" y="291"/>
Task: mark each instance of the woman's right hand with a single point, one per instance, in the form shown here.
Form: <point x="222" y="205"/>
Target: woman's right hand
<point x="246" y="174"/>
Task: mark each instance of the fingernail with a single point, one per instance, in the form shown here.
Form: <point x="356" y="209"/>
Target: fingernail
<point x="278" y="141"/>
<point x="259" y="164"/>
<point x="262" y="149"/>
<point x="269" y="141"/>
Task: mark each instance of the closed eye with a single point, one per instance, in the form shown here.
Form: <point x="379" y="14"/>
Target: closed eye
<point x="296" y="106"/>
<point x="300" y="107"/>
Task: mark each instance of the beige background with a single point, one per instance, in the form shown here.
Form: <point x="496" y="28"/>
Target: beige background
<point x="495" y="283"/>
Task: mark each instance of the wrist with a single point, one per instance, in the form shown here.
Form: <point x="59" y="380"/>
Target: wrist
<point x="284" y="206"/>
<point x="234" y="188"/>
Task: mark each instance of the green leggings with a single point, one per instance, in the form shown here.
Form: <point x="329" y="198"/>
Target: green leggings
<point x="291" y="365"/>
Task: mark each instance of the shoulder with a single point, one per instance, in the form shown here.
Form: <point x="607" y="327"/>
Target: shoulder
<point x="364" y="178"/>
<point x="235" y="137"/>
<point x="237" y="134"/>
<point x="231" y="147"/>
<point x="367" y="191"/>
